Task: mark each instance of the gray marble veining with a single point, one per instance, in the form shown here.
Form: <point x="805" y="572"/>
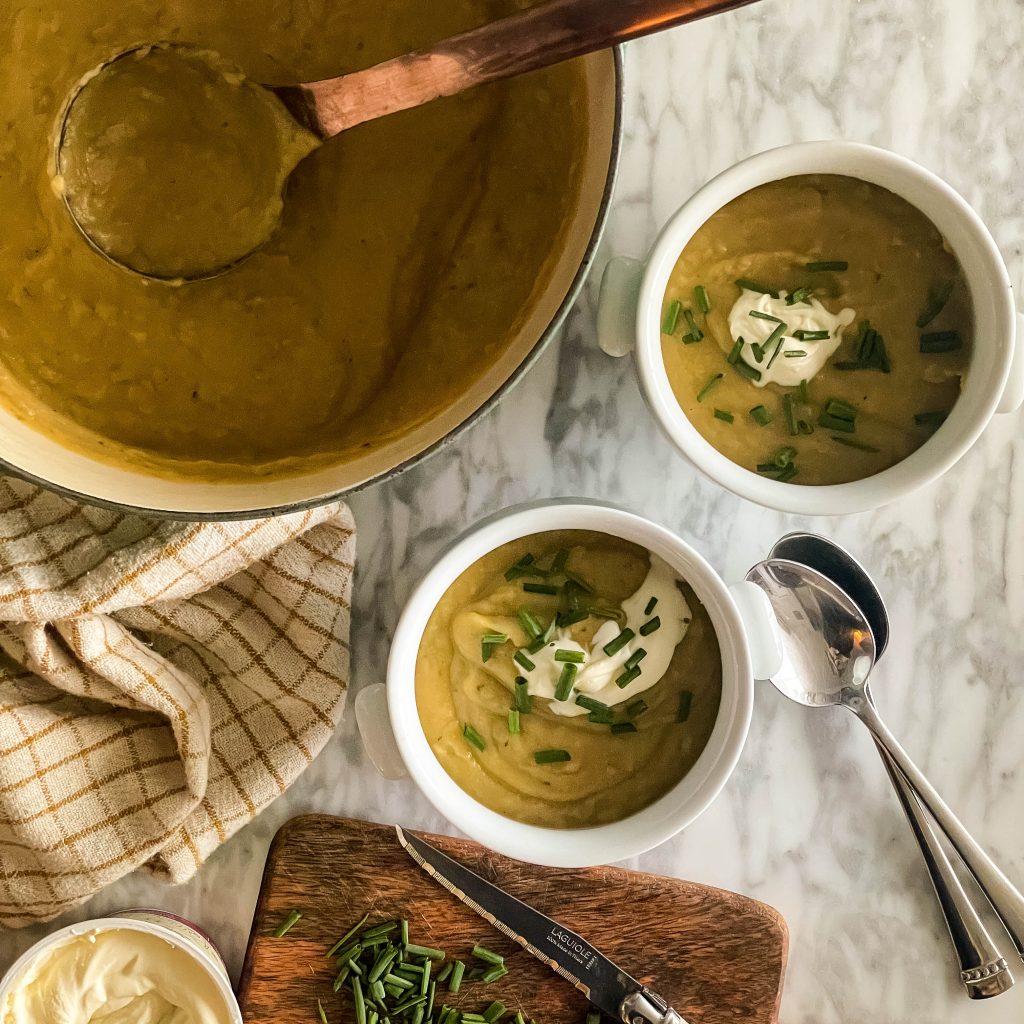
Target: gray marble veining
<point x="940" y="81"/>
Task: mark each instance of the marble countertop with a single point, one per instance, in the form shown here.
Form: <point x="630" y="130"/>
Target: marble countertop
<point x="808" y="822"/>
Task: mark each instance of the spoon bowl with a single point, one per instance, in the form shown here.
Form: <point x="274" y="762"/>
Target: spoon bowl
<point x="828" y="645"/>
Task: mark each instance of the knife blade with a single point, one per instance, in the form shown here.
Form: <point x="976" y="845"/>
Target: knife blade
<point x="568" y="954"/>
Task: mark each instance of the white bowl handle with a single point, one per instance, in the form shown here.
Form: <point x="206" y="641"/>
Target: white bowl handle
<point x="616" y="305"/>
<point x="378" y="737"/>
<point x="761" y="628"/>
<point x="1013" y="393"/>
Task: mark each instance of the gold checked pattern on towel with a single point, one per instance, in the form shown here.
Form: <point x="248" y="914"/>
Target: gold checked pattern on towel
<point x="160" y="684"/>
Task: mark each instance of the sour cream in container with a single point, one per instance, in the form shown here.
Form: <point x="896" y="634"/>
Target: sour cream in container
<point x="138" y="967"/>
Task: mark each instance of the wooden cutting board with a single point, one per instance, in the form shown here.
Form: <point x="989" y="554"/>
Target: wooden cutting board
<point x="715" y="955"/>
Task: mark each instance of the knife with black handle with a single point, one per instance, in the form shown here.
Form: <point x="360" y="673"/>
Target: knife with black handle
<point x="569" y="955"/>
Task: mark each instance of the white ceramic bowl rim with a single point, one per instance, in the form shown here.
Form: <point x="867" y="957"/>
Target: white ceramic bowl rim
<point x="217" y="971"/>
<point x="649" y="826"/>
<point x="987" y="279"/>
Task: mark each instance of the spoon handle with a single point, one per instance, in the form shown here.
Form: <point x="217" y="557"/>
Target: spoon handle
<point x="983" y="967"/>
<point x="1006" y="900"/>
<point x="537" y="37"/>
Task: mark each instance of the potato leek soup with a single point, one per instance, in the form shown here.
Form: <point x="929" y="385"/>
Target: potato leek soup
<point x="568" y="679"/>
<point x="817" y="329"/>
<point x="410" y="251"/>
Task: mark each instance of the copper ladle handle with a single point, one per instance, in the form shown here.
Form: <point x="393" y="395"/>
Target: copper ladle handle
<point x="531" y="39"/>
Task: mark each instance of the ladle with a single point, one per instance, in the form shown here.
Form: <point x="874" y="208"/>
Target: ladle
<point x="534" y="38"/>
<point x="828" y="652"/>
<point x="984" y="970"/>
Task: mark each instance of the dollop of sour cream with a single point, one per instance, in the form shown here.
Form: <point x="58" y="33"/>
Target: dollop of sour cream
<point x="597" y="673"/>
<point x="799" y="359"/>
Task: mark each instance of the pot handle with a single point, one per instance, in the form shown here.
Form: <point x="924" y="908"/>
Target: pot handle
<point x="375" y="730"/>
<point x="616" y="305"/>
<point x="761" y="628"/>
<point x="1013" y="393"/>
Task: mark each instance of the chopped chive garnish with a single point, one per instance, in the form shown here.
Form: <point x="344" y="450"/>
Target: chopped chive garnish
<point x="540" y="588"/>
<point x="558" y="563"/>
<point x="685" y="703"/>
<point x="489" y="641"/>
<point x="722" y="414"/>
<point x="520" y="1019"/>
<point x="747" y="371"/>
<point x="777" y="336"/>
<point x="522" y="660"/>
<point x="524" y="704"/>
<point x="473" y="737"/>
<point x="758" y="315"/>
<point x="836" y="423"/>
<point x="458" y="969"/>
<point x="357" y="994"/>
<point x="837" y="407"/>
<point x="578" y="581"/>
<point x="800" y="295"/>
<point x="811" y="335"/>
<point x="590" y="703"/>
<point x="783" y="457"/>
<point x="323" y="1013"/>
<point x="734" y="355"/>
<point x="513" y="722"/>
<point x="618" y="728"/>
<point x="755" y="286"/>
<point x="340" y="980"/>
<point x="343" y="941"/>
<point x="345" y="952"/>
<point x="551" y="757"/>
<point x="790" y="415"/>
<point x="564" y="686"/>
<point x="627" y="677"/>
<point x="493" y="974"/>
<point x="700" y="297"/>
<point x="523" y="567"/>
<point x="537" y="645"/>
<point x="850" y="442"/>
<point x="938" y="296"/>
<point x="576" y="657"/>
<point x="637" y="708"/>
<point x="801" y="391"/>
<point x="604" y="612"/>
<point x="635" y="658"/>
<point x="695" y="333"/>
<point x="870" y="353"/>
<point x="445" y="972"/>
<point x="651" y="626"/>
<point x="758" y="351"/>
<point x="941" y="341"/>
<point x="822" y="266"/>
<point x="427" y="952"/>
<point x="794" y="353"/>
<point x="616" y="645"/>
<point x="650" y="606"/>
<point x="570" y="618"/>
<point x="601" y="716"/>
<point x="493" y="1012"/>
<point x="934" y="420"/>
<point x="671" y="317"/>
<point x="761" y="415"/>
<point x="287" y="924"/>
<point x="531" y="626"/>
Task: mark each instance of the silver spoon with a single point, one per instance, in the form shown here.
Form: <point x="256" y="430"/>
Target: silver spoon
<point x="826" y="638"/>
<point x="983" y="967"/>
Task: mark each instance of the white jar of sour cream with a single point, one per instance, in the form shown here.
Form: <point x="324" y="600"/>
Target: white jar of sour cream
<point x="137" y="967"/>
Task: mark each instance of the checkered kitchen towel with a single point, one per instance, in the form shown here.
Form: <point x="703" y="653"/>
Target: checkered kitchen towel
<point x="160" y="684"/>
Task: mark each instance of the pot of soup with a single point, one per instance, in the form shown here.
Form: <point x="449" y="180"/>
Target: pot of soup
<point x="822" y="328"/>
<point x="571" y="684"/>
<point x="421" y="264"/>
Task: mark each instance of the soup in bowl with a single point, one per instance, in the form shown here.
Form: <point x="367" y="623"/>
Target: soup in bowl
<point x="572" y="684"/>
<point x="822" y="328"/>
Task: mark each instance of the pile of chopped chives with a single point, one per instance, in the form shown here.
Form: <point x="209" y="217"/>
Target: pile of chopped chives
<point x="393" y="981"/>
